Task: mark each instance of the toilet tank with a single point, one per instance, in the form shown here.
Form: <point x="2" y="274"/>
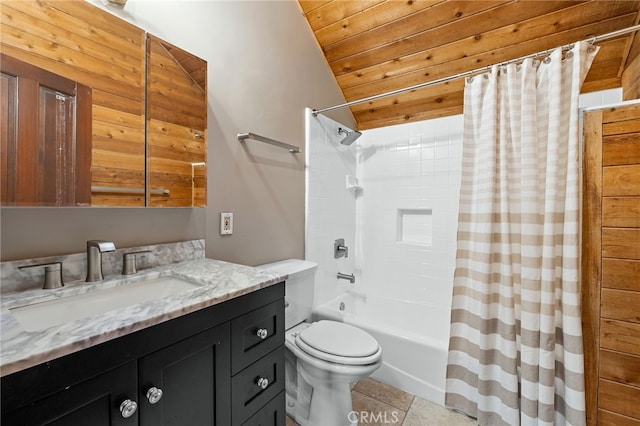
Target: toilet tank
<point x="299" y="288"/>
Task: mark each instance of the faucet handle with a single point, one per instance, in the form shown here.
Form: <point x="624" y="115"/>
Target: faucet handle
<point x="129" y="262"/>
<point x="52" y="274"/>
<point x="339" y="249"/>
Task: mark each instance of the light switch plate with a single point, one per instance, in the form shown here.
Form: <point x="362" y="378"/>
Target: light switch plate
<point x="226" y="223"/>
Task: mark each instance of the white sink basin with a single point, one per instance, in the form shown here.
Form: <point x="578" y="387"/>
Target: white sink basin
<point x="59" y="311"/>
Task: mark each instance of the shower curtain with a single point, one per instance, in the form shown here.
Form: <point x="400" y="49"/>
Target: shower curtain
<point x="515" y="349"/>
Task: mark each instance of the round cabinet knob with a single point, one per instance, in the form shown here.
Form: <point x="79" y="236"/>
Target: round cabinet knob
<point x="154" y="395"/>
<point x="262" y="333"/>
<point x="128" y="408"/>
<point x="263" y="383"/>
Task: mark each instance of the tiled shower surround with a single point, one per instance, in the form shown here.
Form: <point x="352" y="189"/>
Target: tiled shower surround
<point x="400" y="225"/>
<point x="408" y="212"/>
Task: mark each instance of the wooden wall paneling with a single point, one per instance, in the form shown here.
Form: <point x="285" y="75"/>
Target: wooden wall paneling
<point x="620" y="305"/>
<point x="621" y="274"/>
<point x="591" y="257"/>
<point x="621" y="212"/>
<point x="621" y="149"/>
<point x="621" y="243"/>
<point x="621" y="181"/>
<point x="103" y="52"/>
<point x="619" y="398"/>
<point x="610" y="115"/>
<point x="607" y="418"/>
<point x="620" y="367"/>
<point x="620" y="336"/>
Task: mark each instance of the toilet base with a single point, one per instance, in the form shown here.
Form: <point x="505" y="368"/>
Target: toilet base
<point x="335" y="411"/>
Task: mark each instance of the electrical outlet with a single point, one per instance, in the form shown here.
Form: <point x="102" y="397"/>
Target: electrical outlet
<point x="226" y="223"/>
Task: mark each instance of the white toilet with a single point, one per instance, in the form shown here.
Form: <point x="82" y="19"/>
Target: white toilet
<point x="322" y="358"/>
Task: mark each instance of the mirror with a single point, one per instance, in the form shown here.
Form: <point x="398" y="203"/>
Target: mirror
<point x="95" y="133"/>
<point x="176" y="126"/>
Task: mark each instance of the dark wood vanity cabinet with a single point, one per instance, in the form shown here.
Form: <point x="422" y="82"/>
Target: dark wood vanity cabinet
<point x="189" y="359"/>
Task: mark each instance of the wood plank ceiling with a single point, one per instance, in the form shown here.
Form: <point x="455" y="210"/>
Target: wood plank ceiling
<point x="376" y="46"/>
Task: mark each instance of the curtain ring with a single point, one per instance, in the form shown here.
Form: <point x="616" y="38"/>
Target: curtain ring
<point x="469" y="79"/>
<point x="535" y="63"/>
<point x="547" y="60"/>
<point x="518" y="67"/>
<point x="569" y="55"/>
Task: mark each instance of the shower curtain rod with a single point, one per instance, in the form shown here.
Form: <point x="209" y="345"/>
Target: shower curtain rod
<point x="474" y="72"/>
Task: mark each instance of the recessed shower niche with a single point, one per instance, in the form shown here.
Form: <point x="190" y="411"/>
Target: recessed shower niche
<point x="415" y="226"/>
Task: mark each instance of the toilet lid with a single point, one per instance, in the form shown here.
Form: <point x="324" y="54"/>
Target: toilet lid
<point x="339" y="342"/>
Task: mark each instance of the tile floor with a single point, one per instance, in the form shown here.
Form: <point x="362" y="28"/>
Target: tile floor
<point x="379" y="404"/>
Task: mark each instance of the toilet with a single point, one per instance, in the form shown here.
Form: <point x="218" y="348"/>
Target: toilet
<point x="322" y="358"/>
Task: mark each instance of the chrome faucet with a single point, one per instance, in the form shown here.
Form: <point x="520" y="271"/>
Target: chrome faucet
<point x="350" y="277"/>
<point x="95" y="248"/>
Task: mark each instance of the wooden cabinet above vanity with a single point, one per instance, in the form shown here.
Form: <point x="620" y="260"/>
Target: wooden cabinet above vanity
<point x="147" y="120"/>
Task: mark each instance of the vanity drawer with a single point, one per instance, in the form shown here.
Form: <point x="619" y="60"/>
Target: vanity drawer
<point x="255" y="334"/>
<point x="272" y="414"/>
<point x="256" y="385"/>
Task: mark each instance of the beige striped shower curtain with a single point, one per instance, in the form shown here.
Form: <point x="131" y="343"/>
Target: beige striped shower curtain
<point x="515" y="348"/>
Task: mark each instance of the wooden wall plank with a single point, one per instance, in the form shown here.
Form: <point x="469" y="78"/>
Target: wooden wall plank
<point x="630" y="112"/>
<point x="607" y="418"/>
<point x="620" y="367"/>
<point x="326" y="15"/>
<point x="620" y="127"/>
<point x="619" y="398"/>
<point x="620" y="336"/>
<point x="621" y="212"/>
<point x="621" y="305"/>
<point x="621" y="243"/>
<point x="591" y="257"/>
<point x="621" y="149"/>
<point x="621" y="274"/>
<point x="621" y="181"/>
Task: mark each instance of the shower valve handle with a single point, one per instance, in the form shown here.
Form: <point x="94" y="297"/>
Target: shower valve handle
<point x="339" y="249"/>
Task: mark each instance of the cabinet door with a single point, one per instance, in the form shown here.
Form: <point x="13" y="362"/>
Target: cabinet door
<point x="193" y="376"/>
<point x="93" y="402"/>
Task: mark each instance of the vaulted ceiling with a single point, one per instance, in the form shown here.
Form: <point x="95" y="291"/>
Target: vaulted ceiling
<point x="376" y="46"/>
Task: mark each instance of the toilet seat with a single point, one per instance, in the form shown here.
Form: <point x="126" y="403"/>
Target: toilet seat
<point x="339" y="343"/>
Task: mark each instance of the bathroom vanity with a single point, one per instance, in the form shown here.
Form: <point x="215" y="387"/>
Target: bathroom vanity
<point x="212" y="355"/>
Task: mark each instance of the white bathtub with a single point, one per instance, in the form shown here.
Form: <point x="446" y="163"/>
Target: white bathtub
<point x="414" y="339"/>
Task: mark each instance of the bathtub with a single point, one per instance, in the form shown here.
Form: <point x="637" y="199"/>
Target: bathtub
<point x="414" y="339"/>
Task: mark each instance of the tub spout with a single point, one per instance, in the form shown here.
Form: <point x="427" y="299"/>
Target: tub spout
<point x="350" y="277"/>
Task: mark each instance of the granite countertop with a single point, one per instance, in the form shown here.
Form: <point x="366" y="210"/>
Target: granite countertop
<point x="220" y="281"/>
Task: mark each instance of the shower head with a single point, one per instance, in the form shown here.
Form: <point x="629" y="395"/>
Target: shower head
<point x="350" y="136"/>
